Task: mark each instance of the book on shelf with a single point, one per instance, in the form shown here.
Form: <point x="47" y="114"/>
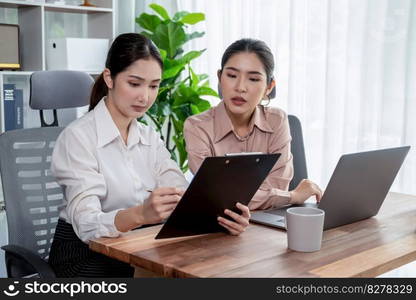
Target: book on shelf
<point x="13" y="107"/>
<point x="18" y="93"/>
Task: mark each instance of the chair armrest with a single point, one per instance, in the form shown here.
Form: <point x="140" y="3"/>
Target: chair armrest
<point x="28" y="257"/>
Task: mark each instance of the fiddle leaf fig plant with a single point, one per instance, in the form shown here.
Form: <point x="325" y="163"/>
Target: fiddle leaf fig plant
<point x="181" y="92"/>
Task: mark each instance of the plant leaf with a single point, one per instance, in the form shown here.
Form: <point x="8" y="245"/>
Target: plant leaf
<point x="171" y="72"/>
<point x="180" y="146"/>
<point x="180" y="51"/>
<point x="169" y="37"/>
<point x="193" y="18"/>
<point x="163" y="54"/>
<point x="202" y="76"/>
<point x="173" y="155"/>
<point x="160" y="10"/>
<point x="176" y="124"/>
<point x="184" y="94"/>
<point x="190" y="56"/>
<point x="205" y="83"/>
<point x="172" y="67"/>
<point x="179" y="96"/>
<point x="147" y="34"/>
<point x="204" y="90"/>
<point x="179" y="15"/>
<point x="162" y="89"/>
<point x="182" y="111"/>
<point x="202" y="105"/>
<point x="194" y="78"/>
<point x="143" y="121"/>
<point x="195" y="110"/>
<point x="164" y="108"/>
<point x="148" y="22"/>
<point x="194" y="35"/>
<point x="153" y="109"/>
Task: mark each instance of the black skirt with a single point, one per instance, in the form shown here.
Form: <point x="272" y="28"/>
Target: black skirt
<point x="71" y="257"/>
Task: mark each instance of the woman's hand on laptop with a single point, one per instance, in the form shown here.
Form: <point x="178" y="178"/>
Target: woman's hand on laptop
<point x="240" y="222"/>
<point x="304" y="190"/>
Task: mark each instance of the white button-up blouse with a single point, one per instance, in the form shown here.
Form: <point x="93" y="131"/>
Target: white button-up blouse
<point x="101" y="175"/>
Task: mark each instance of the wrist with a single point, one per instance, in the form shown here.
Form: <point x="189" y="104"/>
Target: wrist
<point x="139" y="216"/>
<point x="291" y="197"/>
<point x="279" y="197"/>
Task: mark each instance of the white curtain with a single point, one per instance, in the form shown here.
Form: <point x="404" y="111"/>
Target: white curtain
<point x="346" y="68"/>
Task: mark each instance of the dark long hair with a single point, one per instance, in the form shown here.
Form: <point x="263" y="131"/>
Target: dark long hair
<point x="258" y="47"/>
<point x="125" y="50"/>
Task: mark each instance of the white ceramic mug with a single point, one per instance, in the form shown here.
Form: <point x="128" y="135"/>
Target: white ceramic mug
<point x="304" y="228"/>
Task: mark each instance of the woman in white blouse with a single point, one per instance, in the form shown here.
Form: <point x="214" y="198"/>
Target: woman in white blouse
<point x="116" y="173"/>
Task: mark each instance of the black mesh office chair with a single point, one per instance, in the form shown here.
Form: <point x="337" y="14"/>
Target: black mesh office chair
<point x="31" y="195"/>
<point x="298" y="152"/>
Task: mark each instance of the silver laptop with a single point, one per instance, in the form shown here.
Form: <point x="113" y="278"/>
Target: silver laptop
<point x="355" y="191"/>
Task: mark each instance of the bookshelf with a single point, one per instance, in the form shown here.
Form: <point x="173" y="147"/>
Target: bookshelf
<point x="35" y="19"/>
<point x="32" y="18"/>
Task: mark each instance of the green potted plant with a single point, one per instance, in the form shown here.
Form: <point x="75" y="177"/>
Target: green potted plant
<point x="181" y="90"/>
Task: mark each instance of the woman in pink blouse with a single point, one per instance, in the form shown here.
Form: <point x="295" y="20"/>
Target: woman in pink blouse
<point x="241" y="124"/>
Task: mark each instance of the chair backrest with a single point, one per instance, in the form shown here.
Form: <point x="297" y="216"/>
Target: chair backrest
<point x="298" y="152"/>
<point x="59" y="89"/>
<point x="31" y="195"/>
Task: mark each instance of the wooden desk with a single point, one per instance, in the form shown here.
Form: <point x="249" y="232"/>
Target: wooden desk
<point x="364" y="249"/>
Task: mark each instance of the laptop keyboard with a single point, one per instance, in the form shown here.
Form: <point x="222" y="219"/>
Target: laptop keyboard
<point x="282" y="211"/>
<point x="277" y="212"/>
<point x="274" y="217"/>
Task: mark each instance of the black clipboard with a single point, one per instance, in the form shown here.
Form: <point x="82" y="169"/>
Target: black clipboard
<point x="219" y="184"/>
